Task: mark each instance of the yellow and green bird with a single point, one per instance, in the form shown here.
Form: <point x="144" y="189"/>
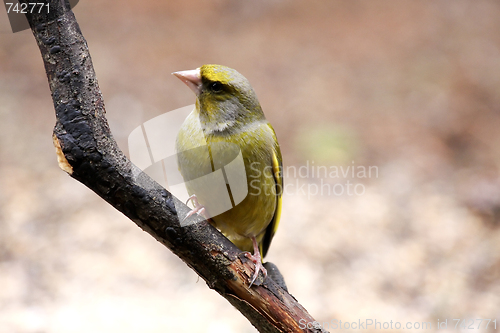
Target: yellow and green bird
<point x="228" y="128"/>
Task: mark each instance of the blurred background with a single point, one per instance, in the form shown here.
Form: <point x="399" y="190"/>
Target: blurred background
<point x="410" y="88"/>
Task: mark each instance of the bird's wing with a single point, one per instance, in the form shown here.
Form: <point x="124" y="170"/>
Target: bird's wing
<point x="278" y="178"/>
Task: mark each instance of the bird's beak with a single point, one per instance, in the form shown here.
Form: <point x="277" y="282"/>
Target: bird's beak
<point x="191" y="78"/>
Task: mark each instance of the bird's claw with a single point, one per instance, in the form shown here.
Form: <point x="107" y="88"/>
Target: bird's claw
<point x="259" y="267"/>
<point x="198" y="209"/>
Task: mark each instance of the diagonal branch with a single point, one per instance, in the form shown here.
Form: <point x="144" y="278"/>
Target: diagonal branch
<point x="87" y="151"/>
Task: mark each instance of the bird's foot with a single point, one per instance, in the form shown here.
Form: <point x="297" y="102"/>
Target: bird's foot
<point x="259" y="267"/>
<point x="198" y="208"/>
<point x="257" y="260"/>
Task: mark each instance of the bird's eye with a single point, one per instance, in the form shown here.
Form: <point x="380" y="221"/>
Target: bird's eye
<point x="216" y="87"/>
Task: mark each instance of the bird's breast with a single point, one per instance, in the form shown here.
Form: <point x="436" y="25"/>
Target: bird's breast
<point x="231" y="175"/>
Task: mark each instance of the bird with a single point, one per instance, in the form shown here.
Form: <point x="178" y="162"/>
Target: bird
<point x="226" y="123"/>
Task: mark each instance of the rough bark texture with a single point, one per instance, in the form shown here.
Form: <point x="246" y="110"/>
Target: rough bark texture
<point x="88" y="152"/>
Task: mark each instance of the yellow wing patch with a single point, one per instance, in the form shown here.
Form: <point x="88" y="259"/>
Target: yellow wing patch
<point x="273" y="225"/>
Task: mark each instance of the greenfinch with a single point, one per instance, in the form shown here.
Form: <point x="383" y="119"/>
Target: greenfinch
<point x="227" y="132"/>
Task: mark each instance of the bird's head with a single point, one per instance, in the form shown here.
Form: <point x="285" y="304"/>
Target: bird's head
<point x="225" y="98"/>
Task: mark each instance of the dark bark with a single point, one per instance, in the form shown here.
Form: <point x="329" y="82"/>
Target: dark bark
<point x="88" y="152"/>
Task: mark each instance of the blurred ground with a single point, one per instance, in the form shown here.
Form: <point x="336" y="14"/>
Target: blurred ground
<point x="410" y="87"/>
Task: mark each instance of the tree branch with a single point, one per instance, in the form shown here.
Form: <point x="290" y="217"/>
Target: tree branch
<point x="87" y="151"/>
